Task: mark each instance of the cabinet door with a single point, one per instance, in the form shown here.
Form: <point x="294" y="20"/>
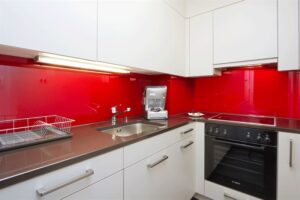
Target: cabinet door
<point x="110" y="188"/>
<point x="145" y="34"/>
<point x="288" y="166"/>
<point x="201" y="45"/>
<point x="288" y="35"/>
<point x="184" y="169"/>
<point x="65" y="27"/>
<point x="142" y="181"/>
<point x="67" y="180"/>
<point x="200" y="149"/>
<point x="246" y="31"/>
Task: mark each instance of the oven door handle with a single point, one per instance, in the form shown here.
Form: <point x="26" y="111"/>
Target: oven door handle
<point x="239" y="144"/>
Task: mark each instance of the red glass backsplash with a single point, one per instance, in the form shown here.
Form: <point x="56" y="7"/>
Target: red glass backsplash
<point x="260" y="91"/>
<point x="28" y="90"/>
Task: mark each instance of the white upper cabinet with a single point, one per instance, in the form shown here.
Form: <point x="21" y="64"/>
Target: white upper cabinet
<point x="65" y="27"/>
<point x="246" y="33"/>
<point x="288" y="35"/>
<point x="288" y="166"/>
<point x="146" y="34"/>
<point x="201" y="45"/>
<point x="196" y="7"/>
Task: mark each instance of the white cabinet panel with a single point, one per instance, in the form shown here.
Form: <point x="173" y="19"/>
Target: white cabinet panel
<point x="288" y="35"/>
<point x="65" y="27"/>
<point x="146" y="34"/>
<point x="172" y="178"/>
<point x="288" y="166"/>
<point x="201" y="45"/>
<point x="110" y="188"/>
<point x="184" y="168"/>
<point x="140" y="150"/>
<point x="103" y="166"/>
<point x="245" y="31"/>
<point x="199" y="160"/>
<point x="142" y="182"/>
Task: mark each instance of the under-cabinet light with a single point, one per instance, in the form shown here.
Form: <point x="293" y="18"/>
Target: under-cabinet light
<point x="76" y="63"/>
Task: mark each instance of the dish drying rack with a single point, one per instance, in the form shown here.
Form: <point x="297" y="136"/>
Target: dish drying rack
<point x="18" y="133"/>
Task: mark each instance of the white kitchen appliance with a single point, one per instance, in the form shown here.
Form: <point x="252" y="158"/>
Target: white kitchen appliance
<point x="155" y="101"/>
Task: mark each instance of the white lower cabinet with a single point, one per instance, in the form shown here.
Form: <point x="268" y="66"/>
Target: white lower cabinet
<point x="288" y="166"/>
<point x="199" y="161"/>
<point x="110" y="188"/>
<point x="170" y="167"/>
<point x="166" y="175"/>
<point x="68" y="180"/>
<point x="184" y="169"/>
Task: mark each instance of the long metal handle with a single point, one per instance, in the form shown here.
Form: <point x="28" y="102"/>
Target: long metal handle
<point x="187" y="145"/>
<point x="46" y="190"/>
<point x="239" y="144"/>
<point x="229" y="197"/>
<point x="187" y="131"/>
<point x="291" y="153"/>
<point x="165" y="157"/>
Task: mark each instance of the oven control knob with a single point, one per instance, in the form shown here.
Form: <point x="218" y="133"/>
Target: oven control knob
<point x="216" y="131"/>
<point x="267" y="139"/>
<point x="210" y="130"/>
<point x="248" y="136"/>
<point x="225" y="132"/>
<point x="259" y="138"/>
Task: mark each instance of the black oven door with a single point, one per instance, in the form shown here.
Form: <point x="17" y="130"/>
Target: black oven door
<point x="245" y="167"/>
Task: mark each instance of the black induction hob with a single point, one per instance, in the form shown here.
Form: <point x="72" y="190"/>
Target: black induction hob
<point x="246" y="119"/>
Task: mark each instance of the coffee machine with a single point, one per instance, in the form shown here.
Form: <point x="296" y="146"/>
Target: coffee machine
<point x="155" y="101"/>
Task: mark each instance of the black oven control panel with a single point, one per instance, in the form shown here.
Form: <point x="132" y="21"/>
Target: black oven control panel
<point x="243" y="134"/>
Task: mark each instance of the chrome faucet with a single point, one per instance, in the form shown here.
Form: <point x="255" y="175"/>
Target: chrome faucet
<point x="116" y="113"/>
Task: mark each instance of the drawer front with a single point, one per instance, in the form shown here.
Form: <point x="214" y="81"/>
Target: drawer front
<point x="65" y="181"/>
<point x="152" y="178"/>
<point x="218" y="192"/>
<point x="140" y="150"/>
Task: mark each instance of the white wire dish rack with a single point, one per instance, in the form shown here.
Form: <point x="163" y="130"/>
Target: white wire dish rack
<point x="17" y="133"/>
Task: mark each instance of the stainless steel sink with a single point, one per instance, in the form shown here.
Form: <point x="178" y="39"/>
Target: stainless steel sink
<point x="132" y="129"/>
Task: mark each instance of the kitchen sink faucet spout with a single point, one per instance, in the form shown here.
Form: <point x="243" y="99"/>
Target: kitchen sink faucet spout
<point x="115" y="113"/>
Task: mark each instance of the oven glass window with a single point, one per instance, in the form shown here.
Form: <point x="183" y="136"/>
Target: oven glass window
<point x="236" y="165"/>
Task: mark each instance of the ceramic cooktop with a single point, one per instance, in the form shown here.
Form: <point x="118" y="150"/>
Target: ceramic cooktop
<point x="247" y="119"/>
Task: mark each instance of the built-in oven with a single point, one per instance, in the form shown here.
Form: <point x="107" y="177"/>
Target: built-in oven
<point x="242" y="158"/>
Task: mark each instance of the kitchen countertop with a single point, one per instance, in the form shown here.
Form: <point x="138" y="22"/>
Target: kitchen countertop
<point x="86" y="142"/>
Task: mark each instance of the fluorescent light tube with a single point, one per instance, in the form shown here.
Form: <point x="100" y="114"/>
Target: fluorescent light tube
<point x="79" y="63"/>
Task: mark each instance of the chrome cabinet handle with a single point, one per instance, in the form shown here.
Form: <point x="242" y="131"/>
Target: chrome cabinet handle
<point x="165" y="157"/>
<point x="187" y="131"/>
<point x="229" y="197"/>
<point x="291" y="153"/>
<point x="46" y="190"/>
<point x="187" y="145"/>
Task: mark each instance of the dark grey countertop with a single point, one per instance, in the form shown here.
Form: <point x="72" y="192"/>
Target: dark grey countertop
<point x="86" y="142"/>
